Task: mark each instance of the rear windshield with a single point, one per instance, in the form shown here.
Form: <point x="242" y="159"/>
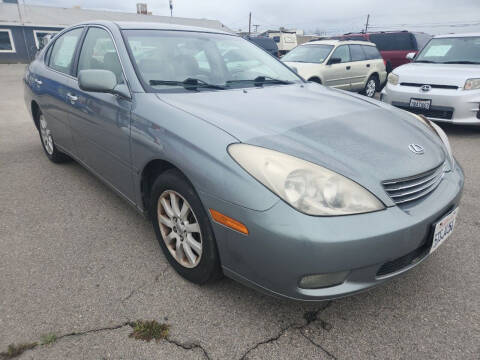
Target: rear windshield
<point x="265" y="43"/>
<point x="393" y="41"/>
<point x="309" y="54"/>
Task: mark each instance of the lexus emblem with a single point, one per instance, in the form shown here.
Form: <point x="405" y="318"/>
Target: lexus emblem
<point x="426" y="88"/>
<point x="416" y="149"/>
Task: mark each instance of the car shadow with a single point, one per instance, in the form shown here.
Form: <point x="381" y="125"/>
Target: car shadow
<point x="461" y="130"/>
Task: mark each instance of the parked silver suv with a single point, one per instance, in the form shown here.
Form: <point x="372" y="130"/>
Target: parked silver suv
<point x="443" y="82"/>
<point x="347" y="65"/>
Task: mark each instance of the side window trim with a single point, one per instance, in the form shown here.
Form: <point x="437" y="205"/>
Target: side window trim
<point x="80" y="46"/>
<point x="49" y="50"/>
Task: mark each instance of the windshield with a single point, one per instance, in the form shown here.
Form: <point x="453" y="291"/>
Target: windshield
<point x="166" y="59"/>
<point x="461" y="50"/>
<point x="309" y="54"/>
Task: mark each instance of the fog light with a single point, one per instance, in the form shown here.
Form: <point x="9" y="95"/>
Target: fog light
<point x="318" y="281"/>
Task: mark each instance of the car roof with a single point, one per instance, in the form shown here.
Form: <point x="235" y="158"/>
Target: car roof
<point x="335" y="42"/>
<point x="130" y="25"/>
<point x="457" y="35"/>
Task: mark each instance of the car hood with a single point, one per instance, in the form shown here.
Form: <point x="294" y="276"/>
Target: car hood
<point x="365" y="140"/>
<point x="438" y="74"/>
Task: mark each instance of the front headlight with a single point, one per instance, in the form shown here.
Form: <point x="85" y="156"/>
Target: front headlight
<point x="393" y="79"/>
<point x="472" y="84"/>
<point x="309" y="188"/>
<point x="441" y="134"/>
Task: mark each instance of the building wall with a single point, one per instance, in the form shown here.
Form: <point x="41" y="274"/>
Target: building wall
<point x="25" y="45"/>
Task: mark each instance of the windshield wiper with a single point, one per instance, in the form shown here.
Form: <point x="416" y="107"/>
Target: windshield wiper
<point x="189" y="84"/>
<point x="462" y="62"/>
<point x="426" y="61"/>
<point x="260" y="80"/>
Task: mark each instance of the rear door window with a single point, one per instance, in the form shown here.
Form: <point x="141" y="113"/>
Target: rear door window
<point x="393" y="41"/>
<point x="63" y="51"/>
<point x="357" y="53"/>
<point x="342" y="52"/>
<point x="371" y="52"/>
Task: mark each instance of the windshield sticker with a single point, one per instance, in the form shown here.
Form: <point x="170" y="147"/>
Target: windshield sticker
<point x="438" y="50"/>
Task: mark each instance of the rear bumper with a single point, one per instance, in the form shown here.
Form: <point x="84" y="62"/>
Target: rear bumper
<point x="448" y="105"/>
<point x="284" y="245"/>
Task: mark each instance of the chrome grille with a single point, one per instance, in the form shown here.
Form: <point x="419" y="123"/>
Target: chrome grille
<point x="414" y="187"/>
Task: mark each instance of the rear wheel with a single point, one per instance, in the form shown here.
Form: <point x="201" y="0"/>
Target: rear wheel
<point x="48" y="143"/>
<point x="183" y="228"/>
<point x="371" y="86"/>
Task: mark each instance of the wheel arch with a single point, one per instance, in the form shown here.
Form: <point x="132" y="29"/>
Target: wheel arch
<point x="149" y="173"/>
<point x="35" y="109"/>
<point x="316" y="79"/>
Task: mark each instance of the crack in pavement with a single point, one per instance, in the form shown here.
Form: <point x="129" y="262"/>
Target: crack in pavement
<point x="317" y="345"/>
<point x="189" y="346"/>
<point x="309" y="316"/>
<point x="183" y="345"/>
<point x="143" y="285"/>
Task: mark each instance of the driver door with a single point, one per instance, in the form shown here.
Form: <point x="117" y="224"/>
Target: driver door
<point x="101" y="121"/>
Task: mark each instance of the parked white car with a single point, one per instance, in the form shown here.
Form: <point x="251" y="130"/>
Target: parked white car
<point x="344" y="64"/>
<point x="443" y="81"/>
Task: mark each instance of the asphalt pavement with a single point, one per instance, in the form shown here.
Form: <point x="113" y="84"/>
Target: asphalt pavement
<point x="78" y="262"/>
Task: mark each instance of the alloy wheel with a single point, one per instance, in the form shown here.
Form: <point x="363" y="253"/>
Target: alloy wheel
<point x="371" y="88"/>
<point x="179" y="228"/>
<point x="46" y="135"/>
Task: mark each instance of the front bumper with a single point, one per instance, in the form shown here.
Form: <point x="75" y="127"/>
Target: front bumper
<point x="448" y="105"/>
<point x="284" y="245"/>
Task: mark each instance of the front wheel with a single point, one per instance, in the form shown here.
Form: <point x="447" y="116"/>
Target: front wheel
<point x="371" y="86"/>
<point x="183" y="228"/>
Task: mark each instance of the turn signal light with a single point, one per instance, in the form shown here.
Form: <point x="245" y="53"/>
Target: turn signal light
<point x="228" y="222"/>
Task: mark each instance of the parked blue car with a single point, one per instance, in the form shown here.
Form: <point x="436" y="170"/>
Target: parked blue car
<point x="245" y="169"/>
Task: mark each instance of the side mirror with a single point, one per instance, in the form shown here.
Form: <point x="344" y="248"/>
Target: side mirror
<point x="410" y="56"/>
<point x="332" y="61"/>
<point x="103" y="81"/>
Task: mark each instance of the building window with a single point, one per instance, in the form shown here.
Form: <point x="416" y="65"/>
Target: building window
<point x="38" y="35"/>
<point x="6" y="41"/>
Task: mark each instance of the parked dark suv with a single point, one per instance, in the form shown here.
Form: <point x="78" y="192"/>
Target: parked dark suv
<point x="393" y="45"/>
<point x="266" y="43"/>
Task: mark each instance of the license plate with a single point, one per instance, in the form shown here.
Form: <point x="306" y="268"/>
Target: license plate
<point x="420" y="104"/>
<point x="443" y="229"/>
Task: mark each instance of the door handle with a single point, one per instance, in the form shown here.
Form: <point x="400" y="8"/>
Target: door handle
<point x="72" y="98"/>
<point x="348" y="67"/>
<point x="368" y="65"/>
<point x="38" y="82"/>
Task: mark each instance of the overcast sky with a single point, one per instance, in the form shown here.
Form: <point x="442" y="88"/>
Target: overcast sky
<point x="329" y="16"/>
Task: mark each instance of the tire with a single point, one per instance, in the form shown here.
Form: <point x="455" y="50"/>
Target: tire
<point x="371" y="87"/>
<point x="317" y="80"/>
<point x="175" y="238"/>
<point x="48" y="143"/>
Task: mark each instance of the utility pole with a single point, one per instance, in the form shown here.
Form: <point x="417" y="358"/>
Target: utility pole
<point x="366" y="24"/>
<point x="249" y="24"/>
<point x="256" y="27"/>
